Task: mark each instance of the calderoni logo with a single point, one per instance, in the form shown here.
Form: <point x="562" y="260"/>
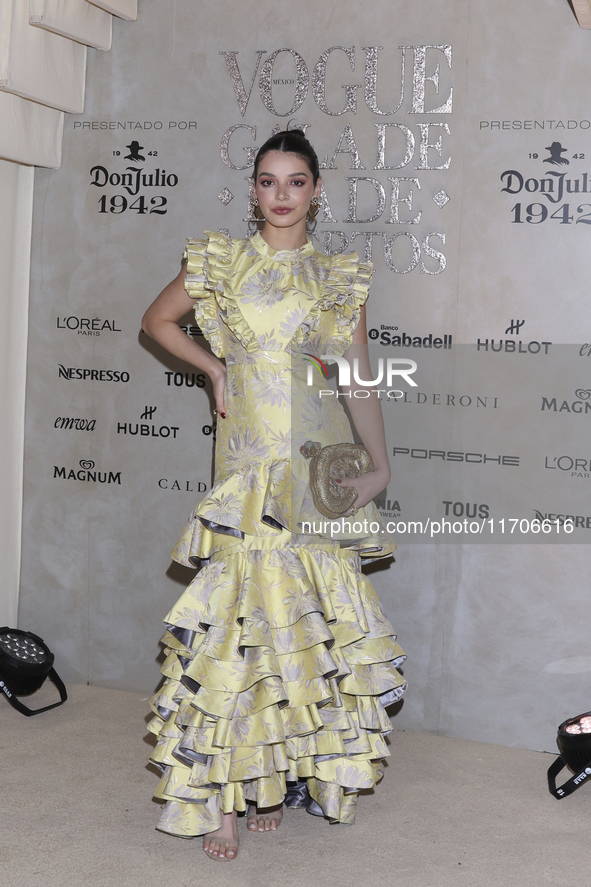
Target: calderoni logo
<point x="86" y="326"/>
<point x="384" y="336"/>
<point x="455" y="456"/>
<point x="182" y="486"/>
<point x="85" y="374"/>
<point x="86" y="473"/>
<point x="485" y="402"/>
<point x="581" y="405"/>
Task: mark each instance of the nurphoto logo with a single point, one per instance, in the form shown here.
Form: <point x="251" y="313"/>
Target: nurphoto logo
<point x="388" y="368"/>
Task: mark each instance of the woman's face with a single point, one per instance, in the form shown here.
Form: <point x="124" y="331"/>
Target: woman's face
<point x="284" y="187"/>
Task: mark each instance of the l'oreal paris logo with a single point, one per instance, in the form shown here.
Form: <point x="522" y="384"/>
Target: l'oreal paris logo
<point x="387" y="368"/>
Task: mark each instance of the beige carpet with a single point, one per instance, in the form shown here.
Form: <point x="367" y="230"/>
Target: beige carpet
<point x="76" y="812"/>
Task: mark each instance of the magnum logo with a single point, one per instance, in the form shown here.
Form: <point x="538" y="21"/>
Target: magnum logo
<point x="86" y="472"/>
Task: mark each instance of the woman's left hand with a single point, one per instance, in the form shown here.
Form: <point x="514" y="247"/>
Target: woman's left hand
<point x="367" y="485"/>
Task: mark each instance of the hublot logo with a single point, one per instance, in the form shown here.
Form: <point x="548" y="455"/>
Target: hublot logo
<point x="145" y="430"/>
<point x="513" y="346"/>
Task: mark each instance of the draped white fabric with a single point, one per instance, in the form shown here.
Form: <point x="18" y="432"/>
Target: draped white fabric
<point x="30" y="132"/>
<point x="42" y="74"/>
<point x="16" y="187"/>
<point x="76" y="19"/>
<point x="37" y="64"/>
<point x="126" y="9"/>
<point x="582" y="10"/>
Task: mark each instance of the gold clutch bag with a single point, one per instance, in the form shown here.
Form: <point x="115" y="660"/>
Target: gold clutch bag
<point x="327" y="465"/>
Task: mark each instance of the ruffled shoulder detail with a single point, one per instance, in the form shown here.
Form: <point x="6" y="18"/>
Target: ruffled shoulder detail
<point x="348" y="281"/>
<point x="210" y="265"/>
<point x="346" y="290"/>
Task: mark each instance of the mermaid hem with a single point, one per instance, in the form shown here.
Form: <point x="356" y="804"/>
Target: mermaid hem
<point x="276" y="662"/>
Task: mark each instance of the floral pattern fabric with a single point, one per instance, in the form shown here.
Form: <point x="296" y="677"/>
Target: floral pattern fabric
<point x="279" y="659"/>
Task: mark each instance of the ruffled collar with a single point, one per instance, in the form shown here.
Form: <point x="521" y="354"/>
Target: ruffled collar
<point x="281" y="255"/>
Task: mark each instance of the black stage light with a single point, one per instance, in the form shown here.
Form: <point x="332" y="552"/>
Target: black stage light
<point x="574" y="744"/>
<point x="25" y="662"/>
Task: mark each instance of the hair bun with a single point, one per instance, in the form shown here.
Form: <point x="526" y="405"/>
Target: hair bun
<point x="295" y="130"/>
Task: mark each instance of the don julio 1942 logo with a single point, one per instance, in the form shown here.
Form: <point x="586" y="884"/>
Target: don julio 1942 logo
<point x="134" y="181"/>
<point x="554" y="187"/>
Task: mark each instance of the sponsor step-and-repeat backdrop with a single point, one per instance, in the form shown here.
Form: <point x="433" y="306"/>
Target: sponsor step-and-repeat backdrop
<point x="487" y="441"/>
<point x="469" y="198"/>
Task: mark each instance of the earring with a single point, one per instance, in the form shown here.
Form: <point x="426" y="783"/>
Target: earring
<point x="313" y="209"/>
<point x="256" y="209"/>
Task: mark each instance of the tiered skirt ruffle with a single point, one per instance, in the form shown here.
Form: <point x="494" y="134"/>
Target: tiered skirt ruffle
<point x="279" y="661"/>
<point x="259" y="502"/>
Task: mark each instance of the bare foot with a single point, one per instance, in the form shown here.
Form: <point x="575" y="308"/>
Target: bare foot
<point x="222" y="844"/>
<point x="265" y="819"/>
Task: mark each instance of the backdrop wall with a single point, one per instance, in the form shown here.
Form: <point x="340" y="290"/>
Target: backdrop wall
<point x="444" y="137"/>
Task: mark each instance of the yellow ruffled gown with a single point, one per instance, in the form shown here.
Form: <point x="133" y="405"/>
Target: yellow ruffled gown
<point x="279" y="659"/>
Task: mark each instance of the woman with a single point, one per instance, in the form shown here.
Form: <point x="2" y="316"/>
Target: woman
<point x="278" y="652"/>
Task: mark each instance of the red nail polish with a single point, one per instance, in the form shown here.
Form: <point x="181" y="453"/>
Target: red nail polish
<point x="223" y="415"/>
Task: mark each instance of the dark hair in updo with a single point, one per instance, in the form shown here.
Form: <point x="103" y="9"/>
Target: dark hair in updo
<point x="290" y="141"/>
